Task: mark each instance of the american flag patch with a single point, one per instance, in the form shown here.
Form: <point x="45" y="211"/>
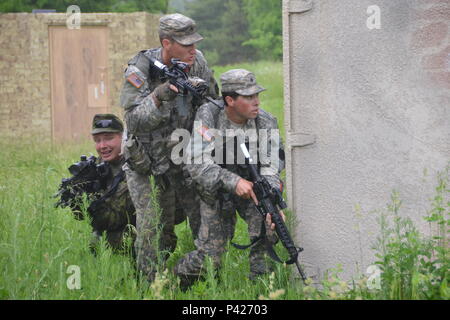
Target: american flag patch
<point x="203" y="130"/>
<point x="135" y="80"/>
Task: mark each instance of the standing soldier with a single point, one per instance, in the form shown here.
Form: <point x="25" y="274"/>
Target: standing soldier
<point x="153" y="110"/>
<point x="222" y="182"/>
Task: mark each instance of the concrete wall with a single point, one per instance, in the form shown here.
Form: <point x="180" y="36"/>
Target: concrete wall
<point x="367" y="111"/>
<point x="25" y="97"/>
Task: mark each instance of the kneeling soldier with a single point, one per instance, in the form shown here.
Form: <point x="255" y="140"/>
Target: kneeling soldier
<point x="224" y="185"/>
<point x="103" y="181"/>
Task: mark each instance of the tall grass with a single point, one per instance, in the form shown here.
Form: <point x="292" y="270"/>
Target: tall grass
<point x="414" y="266"/>
<point x="39" y="243"/>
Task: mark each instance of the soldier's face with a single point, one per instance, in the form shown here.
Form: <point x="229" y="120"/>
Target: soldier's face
<point x="245" y="107"/>
<point x="108" y="145"/>
<point x="179" y="51"/>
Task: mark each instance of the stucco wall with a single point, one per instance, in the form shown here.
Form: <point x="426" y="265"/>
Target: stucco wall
<point x="25" y="97"/>
<point x="375" y="104"/>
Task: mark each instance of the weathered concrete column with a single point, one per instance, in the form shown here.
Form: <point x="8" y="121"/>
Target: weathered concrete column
<point x="367" y="111"/>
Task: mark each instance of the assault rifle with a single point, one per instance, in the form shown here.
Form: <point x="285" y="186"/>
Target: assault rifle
<point x="87" y="177"/>
<point x="269" y="200"/>
<point x="180" y="79"/>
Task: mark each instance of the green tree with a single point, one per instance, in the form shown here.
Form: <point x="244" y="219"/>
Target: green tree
<point x="223" y="24"/>
<point x="85" y="5"/>
<point x="238" y="30"/>
<point x="177" y="6"/>
<point x="139" y="5"/>
<point x="265" y="27"/>
<point x="234" y="34"/>
<point x="207" y="14"/>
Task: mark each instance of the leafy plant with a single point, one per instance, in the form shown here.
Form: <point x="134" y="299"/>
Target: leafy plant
<point x="414" y="266"/>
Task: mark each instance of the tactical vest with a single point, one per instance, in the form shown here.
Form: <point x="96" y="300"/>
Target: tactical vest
<point x="241" y="170"/>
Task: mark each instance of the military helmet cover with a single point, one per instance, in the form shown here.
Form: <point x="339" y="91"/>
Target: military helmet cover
<point x="106" y="122"/>
<point x="241" y="81"/>
<point x="180" y="28"/>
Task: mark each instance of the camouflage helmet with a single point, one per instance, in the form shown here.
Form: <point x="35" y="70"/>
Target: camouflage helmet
<point x="180" y="28"/>
<point x="106" y="122"/>
<point x="241" y="81"/>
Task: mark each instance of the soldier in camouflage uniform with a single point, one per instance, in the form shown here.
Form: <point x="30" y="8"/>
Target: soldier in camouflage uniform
<point x="111" y="210"/>
<point x="153" y="110"/>
<point x="224" y="184"/>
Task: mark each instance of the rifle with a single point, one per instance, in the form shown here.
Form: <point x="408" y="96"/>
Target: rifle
<point x="87" y="177"/>
<point x="269" y="200"/>
<point x="179" y="78"/>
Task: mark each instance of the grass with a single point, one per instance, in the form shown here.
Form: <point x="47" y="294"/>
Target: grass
<point x="43" y="247"/>
<point x="39" y="243"/>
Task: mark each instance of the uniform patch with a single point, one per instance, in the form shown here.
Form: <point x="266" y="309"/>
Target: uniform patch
<point x="204" y="132"/>
<point x="135" y="80"/>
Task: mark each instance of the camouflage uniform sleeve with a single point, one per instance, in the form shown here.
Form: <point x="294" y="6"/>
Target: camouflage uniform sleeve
<point x="203" y="169"/>
<point x="271" y="171"/>
<point x="141" y="113"/>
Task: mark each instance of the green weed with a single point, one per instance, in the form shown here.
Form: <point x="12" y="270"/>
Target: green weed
<point x="41" y="246"/>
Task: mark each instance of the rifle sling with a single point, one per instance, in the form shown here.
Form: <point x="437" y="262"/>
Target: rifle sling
<point x="243" y="247"/>
<point x="115" y="184"/>
<point x="269" y="246"/>
<point x="262" y="235"/>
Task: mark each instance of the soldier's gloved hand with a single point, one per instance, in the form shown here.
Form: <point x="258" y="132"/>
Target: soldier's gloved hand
<point x="197" y="82"/>
<point x="165" y="92"/>
<point x="200" y="87"/>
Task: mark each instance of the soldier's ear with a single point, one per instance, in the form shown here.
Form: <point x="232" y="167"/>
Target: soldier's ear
<point x="230" y="101"/>
<point x="166" y="43"/>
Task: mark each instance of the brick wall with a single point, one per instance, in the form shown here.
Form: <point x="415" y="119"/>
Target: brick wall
<point x="25" y="96"/>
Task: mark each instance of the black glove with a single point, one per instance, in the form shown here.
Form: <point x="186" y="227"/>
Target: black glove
<point x="164" y="93"/>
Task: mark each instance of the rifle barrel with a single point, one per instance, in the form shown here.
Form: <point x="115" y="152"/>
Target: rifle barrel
<point x="302" y="274"/>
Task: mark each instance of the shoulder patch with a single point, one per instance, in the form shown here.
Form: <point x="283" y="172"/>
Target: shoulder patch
<point x="204" y="132"/>
<point x="135" y="80"/>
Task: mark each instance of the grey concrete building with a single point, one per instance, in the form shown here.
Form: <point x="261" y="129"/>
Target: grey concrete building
<point x="367" y="111"/>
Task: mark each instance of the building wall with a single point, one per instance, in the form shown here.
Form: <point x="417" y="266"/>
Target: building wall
<point x="25" y="97"/>
<point x="367" y="111"/>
